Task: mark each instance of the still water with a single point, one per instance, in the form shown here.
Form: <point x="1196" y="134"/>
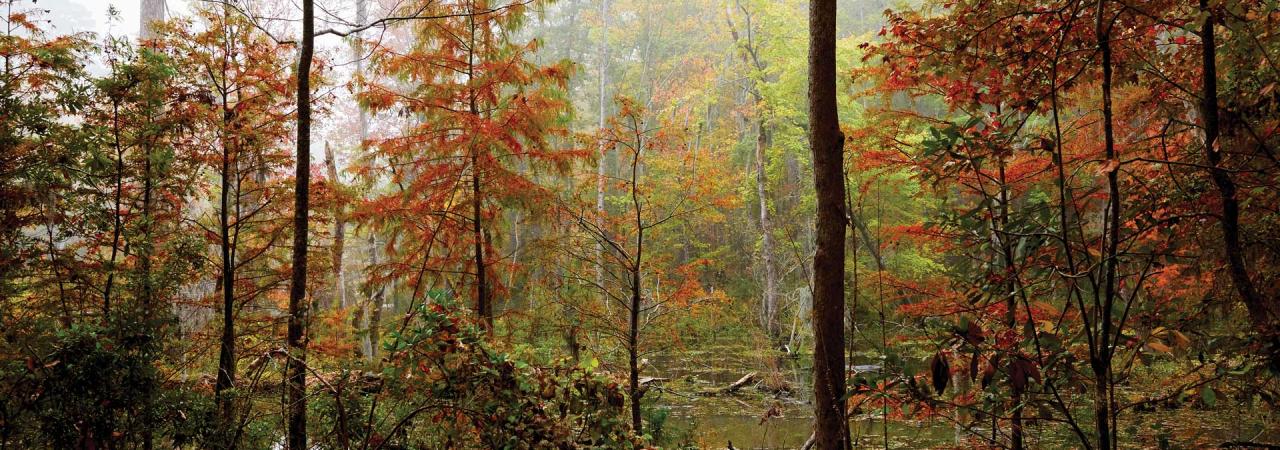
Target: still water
<point x="752" y="419"/>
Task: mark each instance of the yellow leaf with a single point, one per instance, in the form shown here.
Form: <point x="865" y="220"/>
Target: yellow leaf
<point x="1048" y="308"/>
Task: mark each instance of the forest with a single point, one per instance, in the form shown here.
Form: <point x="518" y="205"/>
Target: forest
<point x="626" y="224"/>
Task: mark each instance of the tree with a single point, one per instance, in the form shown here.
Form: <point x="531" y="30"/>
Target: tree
<point x="653" y="194"/>
<point x="89" y="170"/>
<point x="245" y="78"/>
<point x="827" y="143"/>
<point x="370" y="314"/>
<point x="751" y="56"/>
<point x="1264" y="313"/>
<point x="481" y="109"/>
<point x="297" y="338"/>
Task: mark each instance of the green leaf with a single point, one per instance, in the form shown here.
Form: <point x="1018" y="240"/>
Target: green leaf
<point x="1209" y="397"/>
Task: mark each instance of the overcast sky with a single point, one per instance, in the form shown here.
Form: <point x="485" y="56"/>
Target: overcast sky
<point x="91" y="15"/>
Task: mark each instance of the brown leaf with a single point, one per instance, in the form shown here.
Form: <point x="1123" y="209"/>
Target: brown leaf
<point x="1157" y="346"/>
<point x="940" y="370"/>
<point x="1108" y="166"/>
<point x="1017" y="377"/>
<point x="973" y="334"/>
<point x="989" y="374"/>
<point x="1021" y="371"/>
<point x="973" y="366"/>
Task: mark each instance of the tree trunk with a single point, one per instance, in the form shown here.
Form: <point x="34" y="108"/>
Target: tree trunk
<point x="151" y="11"/>
<point x="633" y="351"/>
<point x="297" y="339"/>
<point x="637" y="269"/>
<point x="374" y="307"/>
<point x="769" y="306"/>
<point x="828" y="262"/>
<point x="484" y="303"/>
<point x="117" y="213"/>
<point x="339" y="231"/>
<point x="226" y="376"/>
<point x="1100" y="361"/>
<point x="600" y="172"/>
<point x="371" y="312"/>
<point x="750" y="56"/>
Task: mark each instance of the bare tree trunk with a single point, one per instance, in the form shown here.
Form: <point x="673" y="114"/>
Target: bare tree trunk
<point x="769" y="307"/>
<point x="750" y="56"/>
<point x="145" y="252"/>
<point x="151" y="11"/>
<point x="374" y="307"/>
<point x="1011" y="307"/>
<point x="339" y="232"/>
<point x="116" y="213"/>
<point x="828" y="263"/>
<point x="371" y="312"/>
<point x="600" y="172"/>
<point x="633" y="342"/>
<point x="297" y="334"/>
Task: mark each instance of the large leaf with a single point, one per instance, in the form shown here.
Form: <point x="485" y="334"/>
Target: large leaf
<point x="940" y="371"/>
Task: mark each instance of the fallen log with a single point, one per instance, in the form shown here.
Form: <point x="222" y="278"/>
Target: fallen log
<point x="732" y="388"/>
<point x="737" y="385"/>
<point x="648" y="380"/>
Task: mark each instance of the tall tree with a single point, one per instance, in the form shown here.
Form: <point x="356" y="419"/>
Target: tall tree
<point x="371" y="311"/>
<point x="1263" y="313"/>
<point x="827" y="144"/>
<point x="484" y="113"/>
<point x="600" y="162"/>
<point x="241" y="131"/>
<point x="1101" y="355"/>
<point x="750" y="53"/>
<point x="297" y="333"/>
<point x="662" y="183"/>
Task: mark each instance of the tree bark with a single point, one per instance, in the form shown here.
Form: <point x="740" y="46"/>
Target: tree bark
<point x="298" y="308"/>
<point x="226" y="376"/>
<point x="637" y="264"/>
<point x="484" y="301"/>
<point x="1100" y="360"/>
<point x="827" y="144"/>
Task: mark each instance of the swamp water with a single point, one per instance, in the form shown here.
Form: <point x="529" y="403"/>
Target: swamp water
<point x="740" y="418"/>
